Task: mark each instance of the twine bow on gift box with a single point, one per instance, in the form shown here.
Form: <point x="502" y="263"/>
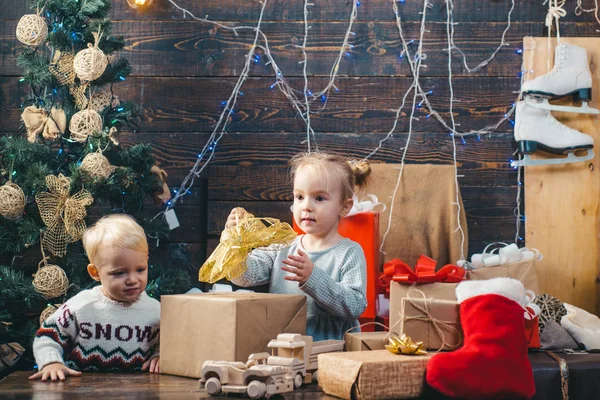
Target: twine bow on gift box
<point x="398" y="271"/>
<point x="38" y="120"/>
<point x="229" y="258"/>
<point x="62" y="214"/>
<point x="425" y="315"/>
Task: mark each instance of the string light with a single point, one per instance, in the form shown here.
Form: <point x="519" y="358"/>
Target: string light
<point x="139" y="4"/>
<point x="303" y="106"/>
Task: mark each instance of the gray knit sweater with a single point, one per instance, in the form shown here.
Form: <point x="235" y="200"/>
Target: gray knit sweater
<point x="335" y="290"/>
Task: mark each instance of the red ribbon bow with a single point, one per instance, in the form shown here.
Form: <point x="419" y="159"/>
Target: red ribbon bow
<point x="398" y="271"/>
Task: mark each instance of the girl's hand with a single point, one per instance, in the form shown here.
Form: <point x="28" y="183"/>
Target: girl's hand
<point x="234" y="216"/>
<point x="152" y="365"/>
<point x="300" y="266"/>
<point x="55" y="372"/>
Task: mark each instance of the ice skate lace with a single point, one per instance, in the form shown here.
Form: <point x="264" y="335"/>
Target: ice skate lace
<point x="563" y="53"/>
<point x="557" y="123"/>
<point x="555" y="11"/>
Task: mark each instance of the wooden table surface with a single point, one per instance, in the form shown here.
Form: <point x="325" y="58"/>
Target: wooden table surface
<point x="121" y="386"/>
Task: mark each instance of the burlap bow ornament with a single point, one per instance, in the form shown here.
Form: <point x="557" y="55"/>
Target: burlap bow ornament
<point x="62" y="214"/>
<point x="163" y="195"/>
<point x="38" y="120"/>
<point x="62" y="68"/>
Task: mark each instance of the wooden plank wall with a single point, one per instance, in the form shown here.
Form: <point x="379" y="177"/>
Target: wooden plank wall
<point x="183" y="69"/>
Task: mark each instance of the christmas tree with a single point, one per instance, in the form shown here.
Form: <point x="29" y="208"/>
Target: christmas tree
<point x="65" y="169"/>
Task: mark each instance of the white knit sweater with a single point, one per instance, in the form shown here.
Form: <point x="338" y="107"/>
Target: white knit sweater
<point x="90" y="332"/>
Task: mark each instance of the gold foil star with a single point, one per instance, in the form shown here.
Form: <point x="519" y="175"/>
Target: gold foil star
<point x="404" y="345"/>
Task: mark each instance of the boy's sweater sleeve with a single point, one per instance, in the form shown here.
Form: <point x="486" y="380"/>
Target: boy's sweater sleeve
<point x="346" y="298"/>
<point x="259" y="264"/>
<point x="55" y="337"/>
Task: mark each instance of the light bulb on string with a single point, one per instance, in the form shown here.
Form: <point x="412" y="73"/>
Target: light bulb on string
<point x="139" y="4"/>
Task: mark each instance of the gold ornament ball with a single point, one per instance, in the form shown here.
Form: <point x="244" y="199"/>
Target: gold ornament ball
<point x="96" y="166"/>
<point x="85" y="123"/>
<point x="51" y="281"/>
<point x="89" y="64"/>
<point x="48" y="311"/>
<point x="12" y="201"/>
<point x="32" y="30"/>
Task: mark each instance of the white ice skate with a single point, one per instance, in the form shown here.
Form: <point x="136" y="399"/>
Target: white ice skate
<point x="570" y="77"/>
<point x="536" y="129"/>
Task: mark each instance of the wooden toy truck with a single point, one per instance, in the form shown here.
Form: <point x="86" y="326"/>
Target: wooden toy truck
<point x="292" y="363"/>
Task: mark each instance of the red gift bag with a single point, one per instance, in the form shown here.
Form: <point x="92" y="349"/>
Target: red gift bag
<point x="532" y="329"/>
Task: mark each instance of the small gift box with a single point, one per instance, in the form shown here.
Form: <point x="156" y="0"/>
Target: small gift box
<point x="376" y="374"/>
<point x="434" y="322"/>
<point x="365" y="341"/>
<point x="424" y="276"/>
<point x="510" y="262"/>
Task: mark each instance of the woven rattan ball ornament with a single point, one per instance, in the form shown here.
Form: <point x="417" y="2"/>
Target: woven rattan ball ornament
<point x="48" y="311"/>
<point x="32" y="30"/>
<point x="551" y="309"/>
<point x="12" y="200"/>
<point x="100" y="100"/>
<point x="89" y="64"/>
<point x="85" y="123"/>
<point x="96" y="166"/>
<point x="50" y="281"/>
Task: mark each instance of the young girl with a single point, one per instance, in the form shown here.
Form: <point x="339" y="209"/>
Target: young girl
<point x="327" y="268"/>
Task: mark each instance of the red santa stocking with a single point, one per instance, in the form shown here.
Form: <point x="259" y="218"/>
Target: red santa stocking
<point x="493" y="362"/>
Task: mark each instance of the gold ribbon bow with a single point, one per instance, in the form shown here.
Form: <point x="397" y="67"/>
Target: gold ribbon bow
<point x="229" y="258"/>
<point x="405" y="345"/>
<point x="62" y="214"/>
<point x="38" y="120"/>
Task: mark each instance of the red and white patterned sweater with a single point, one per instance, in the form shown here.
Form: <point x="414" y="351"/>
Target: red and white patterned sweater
<point x="91" y="332"/>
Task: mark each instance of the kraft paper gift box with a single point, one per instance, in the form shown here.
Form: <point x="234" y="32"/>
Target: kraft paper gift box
<point x="363" y="228"/>
<point x="223" y="327"/>
<point x="365" y="341"/>
<point x="376" y="374"/>
<point x="414" y="322"/>
<point x="524" y="271"/>
<point x="399" y="291"/>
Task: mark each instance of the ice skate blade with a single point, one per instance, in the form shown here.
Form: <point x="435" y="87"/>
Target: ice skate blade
<point x="527" y="161"/>
<point x="544" y="104"/>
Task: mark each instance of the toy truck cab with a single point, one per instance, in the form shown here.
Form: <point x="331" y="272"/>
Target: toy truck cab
<point x="299" y="353"/>
<point x="289" y="350"/>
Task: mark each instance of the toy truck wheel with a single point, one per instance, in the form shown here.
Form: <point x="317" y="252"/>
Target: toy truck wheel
<point x="213" y="386"/>
<point x="298" y="380"/>
<point x="256" y="389"/>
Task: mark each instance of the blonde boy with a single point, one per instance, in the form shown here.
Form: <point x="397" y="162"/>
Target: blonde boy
<point x="113" y="326"/>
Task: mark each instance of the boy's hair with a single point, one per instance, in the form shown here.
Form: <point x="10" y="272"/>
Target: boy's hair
<point x="114" y="230"/>
<point x="349" y="173"/>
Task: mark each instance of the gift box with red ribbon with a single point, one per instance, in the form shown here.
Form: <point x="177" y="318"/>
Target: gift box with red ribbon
<point x="424" y="272"/>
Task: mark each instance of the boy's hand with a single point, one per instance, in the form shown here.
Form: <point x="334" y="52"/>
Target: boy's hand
<point x="152" y="365"/>
<point x="299" y="265"/>
<point x="55" y="371"/>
